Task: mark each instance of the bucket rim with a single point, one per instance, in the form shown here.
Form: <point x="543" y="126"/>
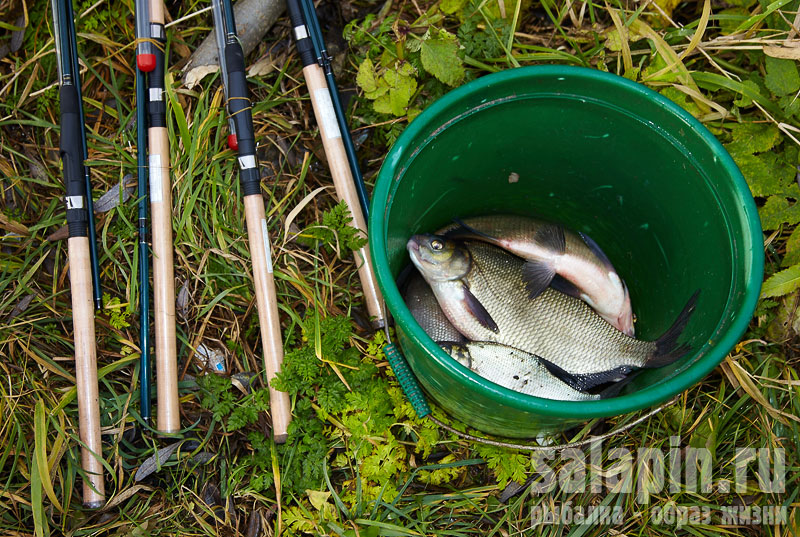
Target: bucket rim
<point x="584" y="410"/>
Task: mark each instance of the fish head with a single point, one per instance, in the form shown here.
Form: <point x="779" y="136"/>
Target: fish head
<point x="460" y="353"/>
<point x="625" y="319"/>
<point x="437" y="258"/>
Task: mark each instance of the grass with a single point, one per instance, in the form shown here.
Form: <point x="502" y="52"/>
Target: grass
<point x="358" y="461"/>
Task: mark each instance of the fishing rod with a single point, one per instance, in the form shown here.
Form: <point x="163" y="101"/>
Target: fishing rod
<point x="334" y="146"/>
<point x="324" y="60"/>
<point x="80" y="223"/>
<point x="240" y="117"/>
<point x="168" y="408"/>
<point x="97" y="292"/>
<point x="145" y="63"/>
<point x="219" y="35"/>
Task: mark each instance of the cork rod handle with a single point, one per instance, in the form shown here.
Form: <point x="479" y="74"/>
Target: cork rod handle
<point x="168" y="411"/>
<point x="267" y="304"/>
<point x="343" y="182"/>
<point x="86" y="370"/>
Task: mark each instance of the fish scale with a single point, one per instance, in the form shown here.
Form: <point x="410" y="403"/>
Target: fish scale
<point x="426" y="311"/>
<point x="514" y="369"/>
<point x="558" y="327"/>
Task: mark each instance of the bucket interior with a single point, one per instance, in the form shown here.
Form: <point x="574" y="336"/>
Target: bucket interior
<point x="660" y="196"/>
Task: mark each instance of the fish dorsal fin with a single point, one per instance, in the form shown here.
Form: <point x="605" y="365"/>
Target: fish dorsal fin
<point x="465" y="231"/>
<point x="597" y="251"/>
<point x="537" y="275"/>
<point x="552" y="237"/>
<point x="563" y="285"/>
<point x="479" y="312"/>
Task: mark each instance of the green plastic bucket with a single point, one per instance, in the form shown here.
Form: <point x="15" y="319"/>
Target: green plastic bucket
<point x="602" y="155"/>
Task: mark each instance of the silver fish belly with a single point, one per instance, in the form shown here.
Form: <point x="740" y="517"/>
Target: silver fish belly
<point x="423" y="306"/>
<point x="514" y="369"/>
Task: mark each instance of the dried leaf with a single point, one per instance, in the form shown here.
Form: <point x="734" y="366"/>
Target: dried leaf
<point x="154" y="462"/>
<point x="262" y="67"/>
<point x="204" y="457"/>
<point x="35" y="167"/>
<point x="194" y="76"/>
<point x="182" y="301"/>
<point x="19" y="36"/>
<point x="749" y="386"/>
<point x="21" y="306"/>
<point x="124" y="495"/>
<point x="12" y="226"/>
<point x="254" y="524"/>
<point x="784" y="53"/>
<point x="111" y="199"/>
<point x="674" y="63"/>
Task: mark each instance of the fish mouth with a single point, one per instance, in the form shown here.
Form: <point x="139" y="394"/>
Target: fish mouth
<point x="414" y="253"/>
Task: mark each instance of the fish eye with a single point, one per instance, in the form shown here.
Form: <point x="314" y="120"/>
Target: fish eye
<point x="436" y="244"/>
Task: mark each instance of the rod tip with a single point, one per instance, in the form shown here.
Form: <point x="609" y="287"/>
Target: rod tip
<point x="233" y="143"/>
<point x="93" y="505"/>
<point x="146" y="62"/>
<point x="281" y="438"/>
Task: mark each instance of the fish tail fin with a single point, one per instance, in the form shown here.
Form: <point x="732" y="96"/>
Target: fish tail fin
<point x="667" y="348"/>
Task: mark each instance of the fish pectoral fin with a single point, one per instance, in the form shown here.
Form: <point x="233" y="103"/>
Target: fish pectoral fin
<point x="537" y="275"/>
<point x="479" y="312"/>
<point x="573" y="381"/>
<point x="563" y="285"/>
<point x="551" y="236"/>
